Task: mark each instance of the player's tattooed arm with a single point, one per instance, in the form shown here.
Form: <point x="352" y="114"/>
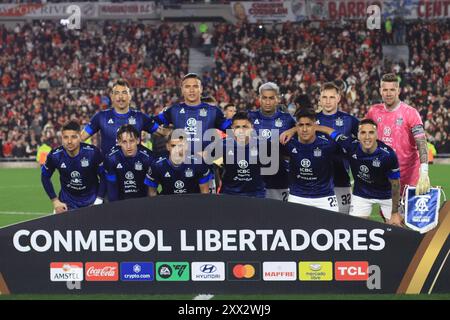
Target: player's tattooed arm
<point x="421" y="142"/>
<point x="423" y="149"/>
<point x="395" y="185"/>
<point x="396" y="218"/>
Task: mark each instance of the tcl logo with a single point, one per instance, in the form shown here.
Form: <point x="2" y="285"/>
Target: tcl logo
<point x="102" y="271"/>
<point x="351" y="270"/>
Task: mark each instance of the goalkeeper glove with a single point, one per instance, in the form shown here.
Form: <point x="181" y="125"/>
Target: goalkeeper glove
<point x="423" y="185"/>
<point x="98" y="201"/>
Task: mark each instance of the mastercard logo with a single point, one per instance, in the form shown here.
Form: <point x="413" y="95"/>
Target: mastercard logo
<point x="244" y="271"/>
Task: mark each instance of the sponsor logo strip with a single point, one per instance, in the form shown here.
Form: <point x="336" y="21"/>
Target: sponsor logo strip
<point x="208" y="271"/>
<point x="102" y="271"/>
<point x="172" y="271"/>
<point x="279" y="271"/>
<point x="315" y="271"/>
<point x="137" y="271"/>
<point x="351" y="270"/>
<point x="66" y="271"/>
<point x="244" y="271"/>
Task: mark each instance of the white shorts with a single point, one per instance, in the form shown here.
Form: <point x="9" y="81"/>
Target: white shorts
<point x="327" y="203"/>
<point x="277" y="194"/>
<point x="344" y="196"/>
<point x="362" y="207"/>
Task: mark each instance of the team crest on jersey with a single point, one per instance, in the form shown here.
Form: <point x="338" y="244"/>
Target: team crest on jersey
<point x="182" y="110"/>
<point x="376" y="163"/>
<point x="253" y="152"/>
<point x="167" y="175"/>
<point x="317" y="152"/>
<point x="339" y="122"/>
<point x="203" y="112"/>
<point x="119" y="166"/>
<point x="132" y="120"/>
<point x="399" y="121"/>
<point x="278" y="123"/>
<point x="84" y="162"/>
<point x="110" y="121"/>
<point x="138" y="166"/>
<point x="256" y="121"/>
<point x="189" y="173"/>
<point x="63" y="166"/>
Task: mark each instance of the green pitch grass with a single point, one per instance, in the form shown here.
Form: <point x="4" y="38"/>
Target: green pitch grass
<point x="22" y="198"/>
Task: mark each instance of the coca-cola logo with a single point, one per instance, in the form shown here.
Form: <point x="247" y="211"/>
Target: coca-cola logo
<point x="102" y="271"/>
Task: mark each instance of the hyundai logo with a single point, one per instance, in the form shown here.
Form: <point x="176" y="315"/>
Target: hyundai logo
<point x="208" y="268"/>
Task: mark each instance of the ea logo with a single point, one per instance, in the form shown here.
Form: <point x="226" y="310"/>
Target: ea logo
<point x="387" y="131"/>
<point x="75" y="174"/>
<point x="179" y="184"/>
<point x="266" y="133"/>
<point x="305" y="163"/>
<point x="191" y="122"/>
<point x="129" y="175"/>
<point x="243" y="164"/>
<point x="364" y="169"/>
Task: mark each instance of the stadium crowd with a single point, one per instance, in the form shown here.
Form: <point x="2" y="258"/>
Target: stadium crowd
<point x="299" y="57"/>
<point x="49" y="75"/>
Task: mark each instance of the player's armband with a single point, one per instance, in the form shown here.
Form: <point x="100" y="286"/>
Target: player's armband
<point x="394" y="174"/>
<point x="418" y="130"/>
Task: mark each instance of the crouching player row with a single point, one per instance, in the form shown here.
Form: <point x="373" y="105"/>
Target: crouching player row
<point x="128" y="171"/>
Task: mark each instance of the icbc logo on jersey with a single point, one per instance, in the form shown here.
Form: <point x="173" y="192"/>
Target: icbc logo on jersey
<point x="351" y="270"/>
<point x="102" y="271"/>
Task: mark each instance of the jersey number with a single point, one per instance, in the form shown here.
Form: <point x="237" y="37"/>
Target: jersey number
<point x="285" y="196"/>
<point x="346" y="198"/>
<point x="333" y="202"/>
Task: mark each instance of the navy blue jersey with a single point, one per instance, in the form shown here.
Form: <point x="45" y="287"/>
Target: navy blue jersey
<point x="194" y="120"/>
<point x="311" y="167"/>
<point x="370" y="171"/>
<point x="346" y="124"/>
<point x="79" y="176"/>
<point x="262" y="124"/>
<point x="109" y="122"/>
<point x="126" y="175"/>
<point x="184" y="178"/>
<point x="242" y="169"/>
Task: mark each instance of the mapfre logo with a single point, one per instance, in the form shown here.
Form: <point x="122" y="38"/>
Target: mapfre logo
<point x="102" y="271"/>
<point x="351" y="270"/>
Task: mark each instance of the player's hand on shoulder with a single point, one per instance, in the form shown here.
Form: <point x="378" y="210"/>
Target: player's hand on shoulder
<point x="287" y="135"/>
